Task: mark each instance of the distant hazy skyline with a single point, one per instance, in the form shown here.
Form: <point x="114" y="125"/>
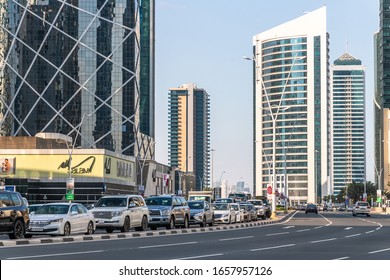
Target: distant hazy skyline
<point x="203" y="41"/>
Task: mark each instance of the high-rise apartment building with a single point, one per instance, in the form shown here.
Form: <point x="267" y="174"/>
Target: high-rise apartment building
<point x="382" y="98"/>
<point x="73" y="67"/>
<point x="291" y="123"/>
<point x="189" y="132"/>
<point x="348" y="162"/>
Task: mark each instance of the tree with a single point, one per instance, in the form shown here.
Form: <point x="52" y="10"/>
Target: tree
<point x="355" y="191"/>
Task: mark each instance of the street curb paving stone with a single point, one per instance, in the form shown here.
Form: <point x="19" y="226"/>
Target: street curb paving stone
<point x="135" y="235"/>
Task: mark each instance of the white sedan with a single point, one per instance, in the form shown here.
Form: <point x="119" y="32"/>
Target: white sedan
<point x="61" y="219"/>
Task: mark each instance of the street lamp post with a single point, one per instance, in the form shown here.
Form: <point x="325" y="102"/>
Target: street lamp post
<point x="70" y="180"/>
<point x="274" y="117"/>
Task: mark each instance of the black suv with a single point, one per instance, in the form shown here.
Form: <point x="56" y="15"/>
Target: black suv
<point x="14" y="218"/>
<point x="168" y="211"/>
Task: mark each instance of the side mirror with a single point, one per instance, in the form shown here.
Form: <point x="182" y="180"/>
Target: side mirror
<point x="74" y="213"/>
<point x="131" y="205"/>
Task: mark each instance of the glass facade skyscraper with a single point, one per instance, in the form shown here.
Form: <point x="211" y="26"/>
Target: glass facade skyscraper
<point x="290" y="114"/>
<point x="73" y="67"/>
<point x="189" y="132"/>
<point x="382" y="97"/>
<point x="348" y="122"/>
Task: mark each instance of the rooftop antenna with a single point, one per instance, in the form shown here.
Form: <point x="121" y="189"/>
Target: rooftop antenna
<point x="346" y="45"/>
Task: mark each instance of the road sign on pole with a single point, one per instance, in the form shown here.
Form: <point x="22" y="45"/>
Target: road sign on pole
<point x="269" y="189"/>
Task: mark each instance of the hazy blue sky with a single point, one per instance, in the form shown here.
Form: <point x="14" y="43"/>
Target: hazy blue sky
<point x="203" y="41"/>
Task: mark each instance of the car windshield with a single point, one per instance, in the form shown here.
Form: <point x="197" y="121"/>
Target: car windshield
<point x="52" y="209"/>
<point x="163" y="201"/>
<point x="195" y="205"/>
<point x="33" y="208"/>
<point x="220" y="206"/>
<point x="111" y="202"/>
<point x="256" y="202"/>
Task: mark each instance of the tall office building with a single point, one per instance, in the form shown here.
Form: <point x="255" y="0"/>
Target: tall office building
<point x="291" y="124"/>
<point x="189" y="132"/>
<point x="382" y="98"/>
<point x="348" y="123"/>
<point x="73" y="67"/>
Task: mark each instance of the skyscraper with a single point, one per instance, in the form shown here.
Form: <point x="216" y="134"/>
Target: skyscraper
<point x="382" y="98"/>
<point x="291" y="124"/>
<point x="73" y="67"/>
<point x="348" y="122"/>
<point x="189" y="132"/>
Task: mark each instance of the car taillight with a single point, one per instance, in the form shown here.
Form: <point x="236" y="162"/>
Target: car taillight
<point x="357" y="206"/>
<point x="368" y="206"/>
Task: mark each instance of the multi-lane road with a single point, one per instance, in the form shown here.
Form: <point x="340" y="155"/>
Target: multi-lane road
<point x="326" y="236"/>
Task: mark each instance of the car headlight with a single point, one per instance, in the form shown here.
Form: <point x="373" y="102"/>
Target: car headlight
<point x="56" y="221"/>
<point x="165" y="212"/>
<point x="225" y="214"/>
<point x="117" y="213"/>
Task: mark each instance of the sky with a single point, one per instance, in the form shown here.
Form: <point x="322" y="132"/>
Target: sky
<point x="203" y="42"/>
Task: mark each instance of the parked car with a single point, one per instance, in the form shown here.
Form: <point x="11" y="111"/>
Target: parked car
<point x="14" y="217"/>
<point x="61" y="219"/>
<point x="239" y="214"/>
<point x="201" y="213"/>
<point x="121" y="212"/>
<point x="361" y="208"/>
<point x="311" y="207"/>
<point x="168" y="211"/>
<point x="245" y="212"/>
<point x="33" y="207"/>
<point x="260" y="208"/>
<point x="252" y="212"/>
<point x="224" y="213"/>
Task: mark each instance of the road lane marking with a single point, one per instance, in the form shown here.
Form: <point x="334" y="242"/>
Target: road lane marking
<point x="278" y="233"/>
<point x="342" y="258"/>
<point x="167" y="245"/>
<point x="371" y="231"/>
<point x="348" y="228"/>
<point x="274" y="247"/>
<point x="236" y="238"/>
<point x="379" y="251"/>
<point x="353" y="235"/>
<point x="302" y="230"/>
<point x="318" y="227"/>
<point x="199" y="257"/>
<point x="54" y="255"/>
<point x="289" y="227"/>
<point x="323" y="240"/>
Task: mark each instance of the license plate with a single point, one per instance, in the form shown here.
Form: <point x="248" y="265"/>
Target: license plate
<point x="36" y="229"/>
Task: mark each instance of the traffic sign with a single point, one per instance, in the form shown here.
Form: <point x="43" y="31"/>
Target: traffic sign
<point x="269" y="190"/>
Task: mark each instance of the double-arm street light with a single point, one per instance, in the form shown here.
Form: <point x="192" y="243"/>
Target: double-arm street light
<point x="274" y="116"/>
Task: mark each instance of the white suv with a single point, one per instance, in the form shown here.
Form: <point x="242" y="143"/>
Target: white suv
<point x="121" y="212"/>
<point x="361" y="207"/>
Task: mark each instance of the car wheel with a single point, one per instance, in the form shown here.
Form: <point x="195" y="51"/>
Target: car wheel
<point x="126" y="225"/>
<point x="67" y="229"/>
<point x="203" y="224"/>
<point x="186" y="223"/>
<point x="18" y="230"/>
<point x="109" y="230"/>
<point x="90" y="228"/>
<point x="212" y="222"/>
<point x="171" y="224"/>
<point x="144" y="224"/>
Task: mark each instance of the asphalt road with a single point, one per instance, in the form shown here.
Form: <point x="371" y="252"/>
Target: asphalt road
<point x="326" y="236"/>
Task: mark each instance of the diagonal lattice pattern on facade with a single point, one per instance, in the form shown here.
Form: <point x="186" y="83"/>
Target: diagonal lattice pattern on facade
<point x="71" y="67"/>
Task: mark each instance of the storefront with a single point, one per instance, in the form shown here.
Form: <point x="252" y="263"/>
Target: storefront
<point x="41" y="175"/>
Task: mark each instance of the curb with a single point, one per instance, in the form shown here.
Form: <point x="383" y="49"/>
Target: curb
<point x="80" y="238"/>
